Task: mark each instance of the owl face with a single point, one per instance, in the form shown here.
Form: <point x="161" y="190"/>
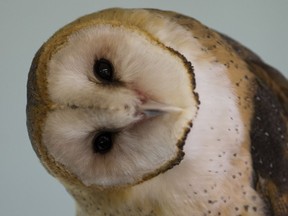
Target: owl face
<point x="112" y="117"/>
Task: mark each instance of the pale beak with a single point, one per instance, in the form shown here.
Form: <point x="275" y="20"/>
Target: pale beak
<point x="152" y="108"/>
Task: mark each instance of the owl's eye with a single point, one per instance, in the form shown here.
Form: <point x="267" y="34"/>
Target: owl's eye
<point x="102" y="142"/>
<point x="103" y="70"/>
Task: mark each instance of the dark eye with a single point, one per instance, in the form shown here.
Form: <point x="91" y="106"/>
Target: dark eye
<point x="103" y="70"/>
<point x="102" y="142"/>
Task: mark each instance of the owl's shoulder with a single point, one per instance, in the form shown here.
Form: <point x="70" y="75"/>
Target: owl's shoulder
<point x="269" y="138"/>
<point x="269" y="132"/>
<point x="268" y="75"/>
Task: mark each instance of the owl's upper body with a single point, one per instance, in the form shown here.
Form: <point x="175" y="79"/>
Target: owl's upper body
<point x="147" y="112"/>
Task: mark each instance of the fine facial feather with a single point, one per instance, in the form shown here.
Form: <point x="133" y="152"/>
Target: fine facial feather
<point x="71" y="85"/>
<point x="215" y="175"/>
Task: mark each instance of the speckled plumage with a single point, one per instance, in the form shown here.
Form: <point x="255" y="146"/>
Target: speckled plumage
<point x="218" y="148"/>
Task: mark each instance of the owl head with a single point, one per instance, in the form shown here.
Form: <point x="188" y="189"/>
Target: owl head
<point x="109" y="104"/>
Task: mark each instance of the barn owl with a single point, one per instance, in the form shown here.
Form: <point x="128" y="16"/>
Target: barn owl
<point x="149" y="112"/>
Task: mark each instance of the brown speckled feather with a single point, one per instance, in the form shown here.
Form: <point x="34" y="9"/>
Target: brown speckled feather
<point x="267" y="74"/>
<point x="270" y="155"/>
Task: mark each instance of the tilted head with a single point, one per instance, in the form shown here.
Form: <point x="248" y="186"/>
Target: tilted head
<point x="109" y="105"/>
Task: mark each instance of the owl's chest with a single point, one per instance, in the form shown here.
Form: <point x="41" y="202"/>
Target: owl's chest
<point x="210" y="180"/>
<point x="214" y="177"/>
<point x="179" y="194"/>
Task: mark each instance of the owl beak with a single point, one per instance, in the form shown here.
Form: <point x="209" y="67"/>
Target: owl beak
<point x="152" y="109"/>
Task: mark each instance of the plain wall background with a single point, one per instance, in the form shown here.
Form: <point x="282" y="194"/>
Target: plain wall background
<point x="25" y="186"/>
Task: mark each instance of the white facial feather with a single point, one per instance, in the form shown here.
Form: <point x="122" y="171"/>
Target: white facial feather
<point x="71" y="83"/>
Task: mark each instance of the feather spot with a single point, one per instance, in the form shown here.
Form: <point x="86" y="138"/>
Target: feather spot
<point x="279" y="129"/>
<point x="212" y="201"/>
<point x="246" y="207"/>
<point x="254" y="198"/>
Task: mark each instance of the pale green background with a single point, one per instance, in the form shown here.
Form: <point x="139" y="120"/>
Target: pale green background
<point x="25" y="187"/>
